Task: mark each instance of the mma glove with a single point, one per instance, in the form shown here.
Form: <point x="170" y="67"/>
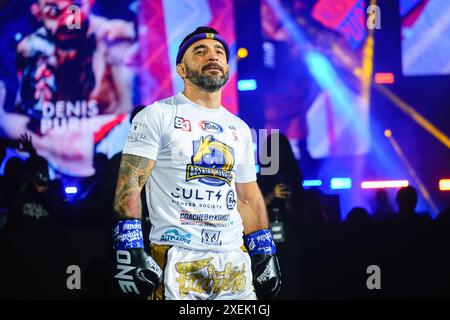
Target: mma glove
<point x="265" y="267"/>
<point x="137" y="275"/>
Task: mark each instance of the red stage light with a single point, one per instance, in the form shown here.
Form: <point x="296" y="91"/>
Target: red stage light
<point x="384" y="184"/>
<point x="384" y="78"/>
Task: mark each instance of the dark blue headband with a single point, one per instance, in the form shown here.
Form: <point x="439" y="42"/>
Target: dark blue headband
<point x="201" y="36"/>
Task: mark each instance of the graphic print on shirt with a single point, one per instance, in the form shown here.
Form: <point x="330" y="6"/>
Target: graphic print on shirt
<point x="212" y="162"/>
<point x="210" y="126"/>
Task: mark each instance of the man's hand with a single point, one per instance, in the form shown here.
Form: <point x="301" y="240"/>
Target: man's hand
<point x="265" y="267"/>
<point x="26" y="144"/>
<point x="282" y="191"/>
<point x="137" y="275"/>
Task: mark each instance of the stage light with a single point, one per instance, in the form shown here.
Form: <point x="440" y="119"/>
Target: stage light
<point x="384" y="78"/>
<point x="269" y="54"/>
<point x="242" y="53"/>
<point x="247" y="85"/>
<point x="417" y="117"/>
<point x="387" y="133"/>
<point x="383" y="184"/>
<point x="341" y="183"/>
<point x="312" y="183"/>
<point x="71" y="190"/>
<point x="444" y="184"/>
<point x="417" y="181"/>
<point x="258" y="168"/>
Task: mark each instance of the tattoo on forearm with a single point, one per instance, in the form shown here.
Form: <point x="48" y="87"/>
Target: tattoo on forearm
<point x="133" y="174"/>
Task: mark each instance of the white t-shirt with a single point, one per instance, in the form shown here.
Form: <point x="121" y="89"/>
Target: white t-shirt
<point x="200" y="153"/>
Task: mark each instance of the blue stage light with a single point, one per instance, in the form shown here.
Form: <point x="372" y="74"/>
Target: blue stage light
<point x="247" y="85"/>
<point x="340" y="183"/>
<point x="71" y="190"/>
<point x="312" y="183"/>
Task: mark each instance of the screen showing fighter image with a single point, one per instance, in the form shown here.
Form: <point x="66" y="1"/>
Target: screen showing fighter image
<point x="74" y="76"/>
<point x="73" y="70"/>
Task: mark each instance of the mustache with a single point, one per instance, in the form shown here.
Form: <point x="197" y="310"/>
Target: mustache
<point x="213" y="65"/>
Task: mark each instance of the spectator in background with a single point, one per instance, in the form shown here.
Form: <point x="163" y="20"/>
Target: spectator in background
<point x="407" y="201"/>
<point x="283" y="194"/>
<point x="31" y="203"/>
<point x="312" y="208"/>
<point x="11" y="182"/>
<point x="358" y="215"/>
<point x="283" y="190"/>
<point x="383" y="210"/>
<point x="32" y="198"/>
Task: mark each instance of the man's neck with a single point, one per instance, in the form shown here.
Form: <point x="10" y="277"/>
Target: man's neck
<point x="209" y="100"/>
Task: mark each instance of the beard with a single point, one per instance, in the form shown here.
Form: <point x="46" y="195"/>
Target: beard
<point x="67" y="39"/>
<point x="209" y="83"/>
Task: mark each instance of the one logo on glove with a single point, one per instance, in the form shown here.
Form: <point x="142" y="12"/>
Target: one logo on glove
<point x="201" y="276"/>
<point x="125" y="279"/>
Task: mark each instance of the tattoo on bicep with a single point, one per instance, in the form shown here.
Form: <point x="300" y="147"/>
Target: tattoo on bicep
<point x="133" y="174"/>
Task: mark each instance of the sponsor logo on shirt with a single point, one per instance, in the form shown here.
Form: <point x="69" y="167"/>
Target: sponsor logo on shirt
<point x="204" y="219"/>
<point x="137" y="124"/>
<point x="210" y="126"/>
<point x="181" y="123"/>
<point x="212" y="162"/>
<point x="175" y="235"/>
<point x="233" y="132"/>
<point x="135" y="134"/>
<point x="211" y="237"/>
<point x="196" y="194"/>
<point x="230" y="199"/>
<point x="199" y="198"/>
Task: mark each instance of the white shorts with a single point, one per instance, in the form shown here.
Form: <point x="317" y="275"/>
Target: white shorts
<point x="198" y="275"/>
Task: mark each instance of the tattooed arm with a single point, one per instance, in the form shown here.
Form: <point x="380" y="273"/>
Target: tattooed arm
<point x="138" y="274"/>
<point x="133" y="174"/>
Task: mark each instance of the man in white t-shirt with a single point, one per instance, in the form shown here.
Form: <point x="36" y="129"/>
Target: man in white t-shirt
<point x="210" y="235"/>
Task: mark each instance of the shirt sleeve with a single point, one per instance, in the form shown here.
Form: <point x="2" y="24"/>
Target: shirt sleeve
<point x="146" y="132"/>
<point x="245" y="164"/>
